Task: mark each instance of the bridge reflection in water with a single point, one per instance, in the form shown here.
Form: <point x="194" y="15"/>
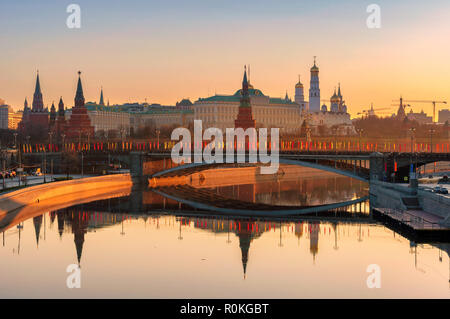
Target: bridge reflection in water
<point x="133" y="225"/>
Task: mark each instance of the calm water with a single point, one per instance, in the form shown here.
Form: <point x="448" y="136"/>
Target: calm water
<point x="145" y="245"/>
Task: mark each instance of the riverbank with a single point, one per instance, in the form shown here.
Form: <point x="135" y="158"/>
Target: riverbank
<point x="65" y="192"/>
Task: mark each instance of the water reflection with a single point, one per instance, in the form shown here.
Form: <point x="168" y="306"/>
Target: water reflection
<point x="138" y="243"/>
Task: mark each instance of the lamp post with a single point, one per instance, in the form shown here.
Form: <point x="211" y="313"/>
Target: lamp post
<point x="179" y="236"/>
<point x="44" y="165"/>
<point x="20" y="157"/>
<point x="412" y="130"/>
<point x="359" y="131"/>
<point x="50" y="135"/>
<point x="335" y="138"/>
<point x="157" y="134"/>
<point x="63" y="139"/>
<point x="432" y="130"/>
<point x="308" y="135"/>
<point x="4" y="168"/>
<point x="82" y="164"/>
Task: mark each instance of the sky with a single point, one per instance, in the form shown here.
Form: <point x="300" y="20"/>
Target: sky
<point x="166" y="50"/>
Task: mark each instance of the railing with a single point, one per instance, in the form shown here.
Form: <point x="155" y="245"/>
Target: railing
<point x="412" y="219"/>
<point x="298" y="145"/>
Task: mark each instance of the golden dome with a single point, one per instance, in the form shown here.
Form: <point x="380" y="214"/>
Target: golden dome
<point x="299" y="84"/>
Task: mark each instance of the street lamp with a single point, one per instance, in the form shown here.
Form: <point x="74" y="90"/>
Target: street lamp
<point x="359" y="131"/>
<point x="412" y="130"/>
<point x="50" y="134"/>
<point x="335" y="138"/>
<point x="157" y="134"/>
<point x="308" y="134"/>
<point x="51" y="160"/>
<point x="431" y="130"/>
<point x="15" y="140"/>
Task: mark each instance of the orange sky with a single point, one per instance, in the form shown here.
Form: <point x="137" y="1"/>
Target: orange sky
<point x="171" y="56"/>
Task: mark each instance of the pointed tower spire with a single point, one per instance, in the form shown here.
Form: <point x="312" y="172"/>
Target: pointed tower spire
<point x="52" y="114"/>
<point x="245" y="81"/>
<point x="37" y="89"/>
<point x="79" y="97"/>
<point x="38" y="104"/>
<point x="339" y="91"/>
<point x="25" y="104"/>
<point x="245" y="118"/>
<point x="101" y="98"/>
<point x="61" y="107"/>
<point x="37" y="221"/>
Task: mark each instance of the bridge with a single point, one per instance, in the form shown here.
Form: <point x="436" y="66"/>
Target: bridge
<point x="366" y="161"/>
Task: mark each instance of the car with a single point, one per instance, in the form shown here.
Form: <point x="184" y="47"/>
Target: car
<point x="440" y="190"/>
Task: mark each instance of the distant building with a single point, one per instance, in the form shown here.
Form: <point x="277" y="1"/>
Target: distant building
<point x="14" y="119"/>
<point x="4" y="115"/>
<point x="184" y="104"/>
<point x="107" y="118"/>
<point x="8" y="118"/>
<point x="160" y="117"/>
<point x="420" y="118"/>
<point x="444" y="116"/>
<point x="401" y="114"/>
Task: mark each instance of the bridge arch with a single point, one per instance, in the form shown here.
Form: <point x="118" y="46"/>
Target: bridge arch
<point x="189" y="166"/>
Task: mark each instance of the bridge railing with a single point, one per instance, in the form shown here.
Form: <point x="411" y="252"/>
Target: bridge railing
<point x="290" y="145"/>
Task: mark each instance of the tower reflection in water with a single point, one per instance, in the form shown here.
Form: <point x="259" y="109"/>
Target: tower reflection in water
<point x="135" y="224"/>
<point x="91" y="217"/>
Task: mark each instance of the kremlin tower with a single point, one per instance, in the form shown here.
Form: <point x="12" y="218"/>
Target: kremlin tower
<point x="245" y="118"/>
<point x="60" y="125"/>
<point x="314" y="89"/>
<point x="79" y="122"/>
<point x="102" y="103"/>
<point x="35" y="121"/>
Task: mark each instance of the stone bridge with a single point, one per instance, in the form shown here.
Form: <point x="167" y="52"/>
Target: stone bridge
<point x="360" y="165"/>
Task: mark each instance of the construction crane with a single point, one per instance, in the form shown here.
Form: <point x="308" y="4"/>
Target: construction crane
<point x="429" y="102"/>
